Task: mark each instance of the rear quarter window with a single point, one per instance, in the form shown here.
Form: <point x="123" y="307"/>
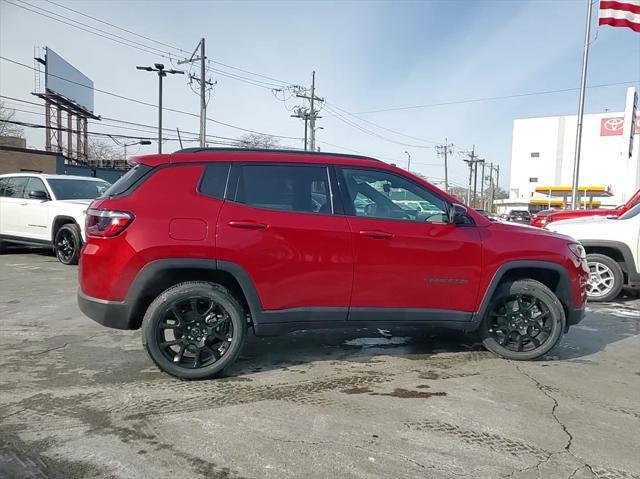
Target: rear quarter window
<point x="128" y="182"/>
<point x="214" y="180"/>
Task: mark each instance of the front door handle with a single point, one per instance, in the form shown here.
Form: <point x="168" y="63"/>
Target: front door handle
<point x="24" y="203"/>
<point x="247" y="225"/>
<point x="375" y="234"/>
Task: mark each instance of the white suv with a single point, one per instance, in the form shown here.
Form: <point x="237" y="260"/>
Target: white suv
<point x="613" y="251"/>
<point x="38" y="209"/>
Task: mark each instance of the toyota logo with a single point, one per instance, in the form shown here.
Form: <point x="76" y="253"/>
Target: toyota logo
<point x="613" y="124"/>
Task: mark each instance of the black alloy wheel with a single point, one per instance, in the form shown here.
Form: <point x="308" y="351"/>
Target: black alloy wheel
<point x="194" y="330"/>
<point x="67" y="244"/>
<point x="525" y="321"/>
<point x="520" y="323"/>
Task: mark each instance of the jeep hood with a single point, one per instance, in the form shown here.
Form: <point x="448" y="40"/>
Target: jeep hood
<point x="526" y="229"/>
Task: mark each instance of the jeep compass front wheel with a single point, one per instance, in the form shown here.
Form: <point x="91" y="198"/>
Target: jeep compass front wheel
<point x="194" y="330"/>
<point x="525" y="321"/>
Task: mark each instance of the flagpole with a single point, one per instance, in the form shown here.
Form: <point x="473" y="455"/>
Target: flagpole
<point x="576" y="161"/>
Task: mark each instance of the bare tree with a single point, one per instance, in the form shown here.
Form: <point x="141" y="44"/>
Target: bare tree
<point x="6" y="128"/>
<point x="102" y="152"/>
<point x="257" y="141"/>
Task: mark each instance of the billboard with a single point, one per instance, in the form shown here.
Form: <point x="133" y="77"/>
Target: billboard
<point x="67" y="81"/>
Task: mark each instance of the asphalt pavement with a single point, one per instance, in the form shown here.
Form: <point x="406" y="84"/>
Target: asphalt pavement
<point x="81" y="401"/>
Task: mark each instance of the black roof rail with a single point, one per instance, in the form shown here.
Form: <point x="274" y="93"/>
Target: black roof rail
<point x="279" y="151"/>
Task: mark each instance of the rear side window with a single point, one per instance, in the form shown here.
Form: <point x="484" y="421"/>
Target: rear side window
<point x="295" y="188"/>
<point x="14" y="187"/>
<point x="214" y="180"/>
<point x="127" y="182"/>
<point x="3" y="182"/>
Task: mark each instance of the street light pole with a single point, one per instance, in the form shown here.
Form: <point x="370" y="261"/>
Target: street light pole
<point x="159" y="67"/>
<point x="409" y="161"/>
<point x="139" y="142"/>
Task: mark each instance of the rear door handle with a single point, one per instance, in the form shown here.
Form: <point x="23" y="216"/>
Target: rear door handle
<point x="24" y="203"/>
<point x="375" y="234"/>
<point x="247" y="225"/>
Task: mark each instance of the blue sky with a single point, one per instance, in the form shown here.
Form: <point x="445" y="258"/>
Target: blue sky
<point x="367" y="56"/>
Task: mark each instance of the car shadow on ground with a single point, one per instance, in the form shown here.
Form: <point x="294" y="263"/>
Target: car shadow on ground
<point x="16" y="249"/>
<point x="604" y="325"/>
<point x="362" y="345"/>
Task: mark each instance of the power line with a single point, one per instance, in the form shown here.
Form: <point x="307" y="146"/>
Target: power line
<point x="122" y="97"/>
<point x="492" y="98"/>
<point x="339" y="116"/>
<point x="166" y="44"/>
<point x="380" y="126"/>
<point x="140" y="46"/>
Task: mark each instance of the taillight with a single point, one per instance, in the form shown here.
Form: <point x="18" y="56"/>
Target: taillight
<point x="105" y="223"/>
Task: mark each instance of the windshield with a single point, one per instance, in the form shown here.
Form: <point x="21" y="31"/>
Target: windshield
<point x="631" y="213"/>
<point x="75" y="189"/>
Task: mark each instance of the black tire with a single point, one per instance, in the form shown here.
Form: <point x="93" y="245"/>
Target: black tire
<point x="222" y="328"/>
<point x="67" y="244"/>
<point x="604" y="273"/>
<point x="525" y="333"/>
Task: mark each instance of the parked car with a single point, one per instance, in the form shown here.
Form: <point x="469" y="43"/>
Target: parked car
<point x="40" y="209"/>
<point x="557" y="215"/>
<point x="613" y="251"/>
<point x="200" y="245"/>
<point x="540" y="218"/>
<point x="490" y="216"/>
<point x="519" y="216"/>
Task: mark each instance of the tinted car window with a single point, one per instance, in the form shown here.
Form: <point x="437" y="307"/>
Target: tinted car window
<point x="128" y="181"/>
<point x="34" y="184"/>
<point x="74" y="189"/>
<point x="285" y="187"/>
<point x="3" y="182"/>
<point x="378" y="194"/>
<point x="14" y="188"/>
<point x="214" y="180"/>
<point x="635" y="211"/>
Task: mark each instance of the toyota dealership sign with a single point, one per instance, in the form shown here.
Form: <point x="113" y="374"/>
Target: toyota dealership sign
<point x="612" y="126"/>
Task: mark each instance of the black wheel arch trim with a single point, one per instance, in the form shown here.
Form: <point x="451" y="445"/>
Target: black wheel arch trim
<point x="625" y="251"/>
<point x="563" y="289"/>
<point x="67" y="220"/>
<point x="126" y="314"/>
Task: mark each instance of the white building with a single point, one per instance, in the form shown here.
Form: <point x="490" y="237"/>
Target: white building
<point x="543" y="156"/>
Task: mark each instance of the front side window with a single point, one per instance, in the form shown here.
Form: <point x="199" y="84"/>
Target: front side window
<point x="383" y="195"/>
<point x="75" y="189"/>
<point x="34" y="184"/>
<point x="14" y="187"/>
<point x="295" y="188"/>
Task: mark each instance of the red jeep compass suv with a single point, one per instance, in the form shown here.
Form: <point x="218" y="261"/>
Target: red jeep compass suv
<point x="198" y="246"/>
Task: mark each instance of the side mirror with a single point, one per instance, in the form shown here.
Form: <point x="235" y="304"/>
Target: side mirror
<point x="458" y="215"/>
<point x="38" y="195"/>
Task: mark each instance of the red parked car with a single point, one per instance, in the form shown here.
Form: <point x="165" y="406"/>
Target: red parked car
<point x="556" y="215"/>
<point x="200" y="246"/>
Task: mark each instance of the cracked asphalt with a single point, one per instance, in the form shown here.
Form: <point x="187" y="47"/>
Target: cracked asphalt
<point x="81" y="401"/>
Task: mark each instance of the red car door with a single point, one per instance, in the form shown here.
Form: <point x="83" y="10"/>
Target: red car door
<point x="280" y="228"/>
<point x="406" y="255"/>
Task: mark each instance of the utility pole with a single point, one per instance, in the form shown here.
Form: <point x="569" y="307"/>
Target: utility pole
<point x="304" y="114"/>
<point x="408" y="160"/>
<point x="159" y="67"/>
<point x="204" y="85"/>
<point x="482" y="180"/>
<point x="444" y="151"/>
<point x="309" y="115"/>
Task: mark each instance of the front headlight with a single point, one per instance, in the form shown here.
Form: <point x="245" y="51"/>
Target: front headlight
<point x="578" y="250"/>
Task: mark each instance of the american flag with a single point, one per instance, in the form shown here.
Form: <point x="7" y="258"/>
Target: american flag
<point x="624" y="13"/>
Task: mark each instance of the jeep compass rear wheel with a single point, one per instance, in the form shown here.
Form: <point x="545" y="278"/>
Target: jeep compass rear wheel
<point x="525" y="321"/>
<point x="194" y="330"/>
